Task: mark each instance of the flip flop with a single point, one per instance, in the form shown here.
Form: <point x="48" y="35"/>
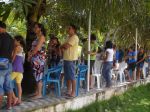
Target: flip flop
<point x="17" y="103"/>
<point x="67" y="94"/>
<point x="35" y="98"/>
<point x="70" y="97"/>
<point x="31" y="95"/>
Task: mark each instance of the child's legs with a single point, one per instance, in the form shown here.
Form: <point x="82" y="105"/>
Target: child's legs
<point x="13" y="76"/>
<point x="19" y="91"/>
<point x="138" y="73"/>
<point x="18" y="79"/>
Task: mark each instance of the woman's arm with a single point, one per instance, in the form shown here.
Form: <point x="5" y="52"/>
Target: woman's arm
<point x="92" y="53"/>
<point x="65" y="46"/>
<point x="59" y="51"/>
<point x="39" y="45"/>
<point x="141" y="59"/>
<point x="106" y="56"/>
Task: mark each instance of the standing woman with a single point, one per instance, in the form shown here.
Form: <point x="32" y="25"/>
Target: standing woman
<point x="140" y="62"/>
<point x="108" y="63"/>
<point x="54" y="52"/>
<point x="37" y="56"/>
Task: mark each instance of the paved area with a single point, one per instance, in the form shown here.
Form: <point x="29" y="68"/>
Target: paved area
<point x="50" y="99"/>
<point x="29" y="105"/>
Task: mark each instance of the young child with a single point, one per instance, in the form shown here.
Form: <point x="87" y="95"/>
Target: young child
<point x="17" y="73"/>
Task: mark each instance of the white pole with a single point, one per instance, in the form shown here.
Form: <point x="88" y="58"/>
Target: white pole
<point x="136" y="36"/>
<point x="89" y="49"/>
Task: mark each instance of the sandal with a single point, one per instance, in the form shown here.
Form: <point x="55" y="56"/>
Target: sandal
<point x="32" y="95"/>
<point x="36" y="97"/>
<point x="66" y="93"/>
<point x="17" y="103"/>
<point x="70" y="97"/>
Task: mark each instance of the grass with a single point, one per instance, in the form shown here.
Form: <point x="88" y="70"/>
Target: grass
<point x="133" y="100"/>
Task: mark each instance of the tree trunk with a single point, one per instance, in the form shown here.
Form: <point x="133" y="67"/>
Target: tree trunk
<point x="34" y="14"/>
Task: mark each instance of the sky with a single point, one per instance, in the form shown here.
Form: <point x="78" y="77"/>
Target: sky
<point x="4" y="1"/>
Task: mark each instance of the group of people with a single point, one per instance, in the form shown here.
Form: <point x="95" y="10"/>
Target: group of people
<point x="110" y="57"/>
<point x="135" y="60"/>
<point x="40" y="56"/>
<point x="13" y="50"/>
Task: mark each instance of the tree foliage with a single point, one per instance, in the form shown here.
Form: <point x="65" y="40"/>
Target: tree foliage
<point x="118" y="18"/>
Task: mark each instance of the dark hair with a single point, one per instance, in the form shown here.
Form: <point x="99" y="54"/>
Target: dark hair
<point x="141" y="48"/>
<point x="2" y="25"/>
<point x="74" y="27"/>
<point x="99" y="50"/>
<point x="93" y="37"/>
<point x="131" y="47"/>
<point x="84" y="40"/>
<point x="42" y="28"/>
<point x="55" y="38"/>
<point x="51" y="36"/>
<point x="21" y="40"/>
<point x="58" y="43"/>
<point x="109" y="44"/>
<point x="114" y="46"/>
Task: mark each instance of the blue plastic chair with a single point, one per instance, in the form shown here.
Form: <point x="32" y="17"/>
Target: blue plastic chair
<point x="81" y="76"/>
<point x="56" y="71"/>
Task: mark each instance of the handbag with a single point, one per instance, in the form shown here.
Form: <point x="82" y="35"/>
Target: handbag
<point x="4" y="63"/>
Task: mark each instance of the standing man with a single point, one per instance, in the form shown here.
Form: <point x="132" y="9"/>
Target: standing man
<point x="6" y="48"/>
<point x="93" y="52"/>
<point x="70" y="56"/>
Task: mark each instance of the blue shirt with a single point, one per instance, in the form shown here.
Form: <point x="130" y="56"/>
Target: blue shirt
<point x="132" y="59"/>
<point x="117" y="55"/>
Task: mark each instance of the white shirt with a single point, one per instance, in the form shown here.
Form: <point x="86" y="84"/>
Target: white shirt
<point x="110" y="55"/>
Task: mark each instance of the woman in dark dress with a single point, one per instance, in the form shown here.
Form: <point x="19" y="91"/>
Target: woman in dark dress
<point x="140" y="62"/>
<point x="53" y="52"/>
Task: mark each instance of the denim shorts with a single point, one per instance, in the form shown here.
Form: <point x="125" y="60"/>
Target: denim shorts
<point x="5" y="81"/>
<point x="69" y="70"/>
<point x="140" y="65"/>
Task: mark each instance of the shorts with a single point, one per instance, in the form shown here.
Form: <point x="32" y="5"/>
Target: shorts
<point x="91" y="65"/>
<point x="69" y="70"/>
<point x="140" y="65"/>
<point x="5" y="81"/>
<point x="131" y="66"/>
<point x="17" y="76"/>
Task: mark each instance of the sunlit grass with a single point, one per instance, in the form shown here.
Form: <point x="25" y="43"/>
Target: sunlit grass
<point x="134" y="100"/>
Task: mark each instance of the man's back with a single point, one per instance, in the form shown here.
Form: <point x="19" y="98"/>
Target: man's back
<point x="6" y="45"/>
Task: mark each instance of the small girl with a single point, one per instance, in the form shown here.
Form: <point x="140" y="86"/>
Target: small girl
<point x="17" y="62"/>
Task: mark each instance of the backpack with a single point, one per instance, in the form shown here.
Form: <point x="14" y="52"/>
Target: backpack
<point x="4" y="63"/>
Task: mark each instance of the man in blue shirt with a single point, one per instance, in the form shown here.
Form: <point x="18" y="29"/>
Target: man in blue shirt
<point x="131" y="61"/>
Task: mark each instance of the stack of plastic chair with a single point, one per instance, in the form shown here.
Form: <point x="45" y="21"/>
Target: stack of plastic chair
<point x="145" y="69"/>
<point x="81" y="76"/>
<point x="96" y="72"/>
<point x="48" y="78"/>
<point x="114" y="72"/>
<point x="122" y="67"/>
